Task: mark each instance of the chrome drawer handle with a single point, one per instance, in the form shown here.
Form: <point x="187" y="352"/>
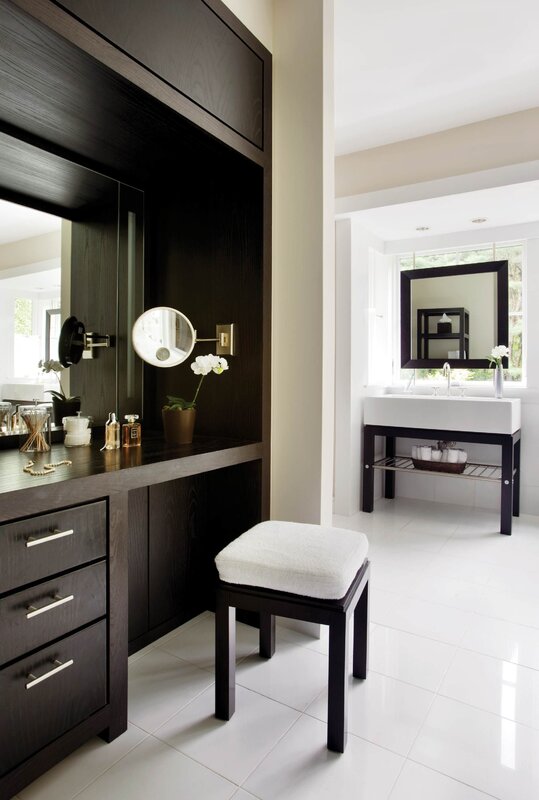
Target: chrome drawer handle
<point x="32" y="541"/>
<point x="32" y="611"/>
<point x="54" y="671"/>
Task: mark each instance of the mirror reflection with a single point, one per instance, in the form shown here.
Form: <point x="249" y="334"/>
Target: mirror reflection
<point x="456" y="313"/>
<point x="454" y="317"/>
<point x="163" y="337"/>
<point x="34" y="262"/>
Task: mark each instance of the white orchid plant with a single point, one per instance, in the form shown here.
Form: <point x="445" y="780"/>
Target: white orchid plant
<point x="54" y="366"/>
<point x="497" y="353"/>
<point x="202" y="365"/>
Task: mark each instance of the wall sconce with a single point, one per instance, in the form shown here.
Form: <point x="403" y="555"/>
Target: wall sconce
<point x="164" y="337"/>
<point x="75" y="343"/>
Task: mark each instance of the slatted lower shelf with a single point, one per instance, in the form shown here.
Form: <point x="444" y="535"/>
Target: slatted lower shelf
<point x="478" y="472"/>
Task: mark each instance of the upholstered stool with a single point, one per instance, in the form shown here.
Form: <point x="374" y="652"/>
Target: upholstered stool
<point x="305" y="572"/>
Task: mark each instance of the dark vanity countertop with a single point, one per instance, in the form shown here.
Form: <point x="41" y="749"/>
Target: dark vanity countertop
<point x="95" y="473"/>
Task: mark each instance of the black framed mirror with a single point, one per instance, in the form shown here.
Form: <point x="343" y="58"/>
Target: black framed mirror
<point x="456" y="314"/>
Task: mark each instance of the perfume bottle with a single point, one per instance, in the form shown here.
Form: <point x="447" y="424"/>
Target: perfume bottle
<point x="112" y="433"/>
<point x="131" y="431"/>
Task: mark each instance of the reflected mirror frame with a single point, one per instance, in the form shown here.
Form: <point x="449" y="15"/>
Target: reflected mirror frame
<point x="501" y="270"/>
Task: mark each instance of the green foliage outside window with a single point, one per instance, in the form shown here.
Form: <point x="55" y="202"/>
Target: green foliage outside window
<point x="23" y="316"/>
<point x="513" y="254"/>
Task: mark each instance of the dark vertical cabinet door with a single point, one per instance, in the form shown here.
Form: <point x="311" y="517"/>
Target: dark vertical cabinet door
<point x="138" y="562"/>
<point x="167" y="551"/>
<point x="186" y="44"/>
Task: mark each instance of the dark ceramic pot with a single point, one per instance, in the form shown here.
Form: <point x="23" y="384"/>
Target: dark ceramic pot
<point x="64" y="408"/>
<point x="179" y="425"/>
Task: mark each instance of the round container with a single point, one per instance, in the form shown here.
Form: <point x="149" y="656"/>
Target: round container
<point x="37" y="423"/>
<point x="6" y="410"/>
<point x="76" y="425"/>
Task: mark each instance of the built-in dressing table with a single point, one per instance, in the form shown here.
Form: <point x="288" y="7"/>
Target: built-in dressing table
<point x="106" y="554"/>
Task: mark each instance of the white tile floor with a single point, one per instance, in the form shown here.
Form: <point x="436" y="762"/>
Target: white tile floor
<point x="450" y="710"/>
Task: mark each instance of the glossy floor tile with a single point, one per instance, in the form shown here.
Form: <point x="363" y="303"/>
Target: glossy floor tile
<point x="449" y="710"/>
<point x="486" y="751"/>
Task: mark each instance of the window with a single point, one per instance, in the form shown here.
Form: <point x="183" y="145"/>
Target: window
<point x="514" y="253"/>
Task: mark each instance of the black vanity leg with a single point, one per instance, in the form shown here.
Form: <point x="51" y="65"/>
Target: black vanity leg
<point x="225" y="658"/>
<point x="368" y="472"/>
<point x="516" y="481"/>
<point x="507" y="486"/>
<point x="337" y="683"/>
<point x="361" y="635"/>
<point x="389" y="492"/>
<point x="267" y="635"/>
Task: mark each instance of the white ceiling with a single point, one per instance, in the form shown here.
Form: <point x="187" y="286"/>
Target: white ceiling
<point x="406" y="68"/>
<point x="18" y="222"/>
<point x="46" y="282"/>
<point x="502" y="205"/>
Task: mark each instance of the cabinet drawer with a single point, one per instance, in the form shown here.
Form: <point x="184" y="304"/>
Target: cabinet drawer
<point x="46" y="694"/>
<point x="38" y="614"/>
<point x="40" y="546"/>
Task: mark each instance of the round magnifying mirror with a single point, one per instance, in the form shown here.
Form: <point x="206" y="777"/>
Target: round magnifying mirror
<point x="163" y="337"/>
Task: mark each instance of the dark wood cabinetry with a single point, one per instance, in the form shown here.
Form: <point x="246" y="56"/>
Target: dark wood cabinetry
<point x="186" y="44"/>
<point x="174" y="99"/>
<point x="176" y="529"/>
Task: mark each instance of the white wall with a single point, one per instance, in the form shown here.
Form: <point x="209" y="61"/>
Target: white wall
<point x="362" y="333"/>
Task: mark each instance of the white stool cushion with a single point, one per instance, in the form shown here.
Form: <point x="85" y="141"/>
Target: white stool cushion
<point x="294" y="557"/>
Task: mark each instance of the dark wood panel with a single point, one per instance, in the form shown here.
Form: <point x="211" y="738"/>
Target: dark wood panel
<point x="167" y="550"/>
<point x="138" y="563"/>
<point x="19" y="635"/>
<point x="94" y="287"/>
<point x="186" y="43"/>
<point x="22" y="564"/>
<point x="215" y="278"/>
<point x="33" y="717"/>
<point x="31" y="175"/>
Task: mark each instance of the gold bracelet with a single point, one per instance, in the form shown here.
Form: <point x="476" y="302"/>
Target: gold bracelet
<point x="48" y="469"/>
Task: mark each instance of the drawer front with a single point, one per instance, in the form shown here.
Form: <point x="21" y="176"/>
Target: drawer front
<point x="41" y="546"/>
<point x="37" y="615"/>
<point x="34" y="712"/>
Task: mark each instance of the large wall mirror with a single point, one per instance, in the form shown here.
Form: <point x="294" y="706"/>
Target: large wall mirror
<point x="455" y="314"/>
<point x="71" y="242"/>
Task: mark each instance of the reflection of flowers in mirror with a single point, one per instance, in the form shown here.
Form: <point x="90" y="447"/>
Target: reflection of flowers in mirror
<point x="54" y="366"/>
<point x="202" y="365"/>
<point x="498" y="353"/>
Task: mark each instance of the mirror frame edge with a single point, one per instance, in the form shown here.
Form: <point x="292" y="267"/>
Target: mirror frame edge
<point x="500" y="268"/>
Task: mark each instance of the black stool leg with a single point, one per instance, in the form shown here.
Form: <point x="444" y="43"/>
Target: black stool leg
<point x="225" y="658"/>
<point x="267" y="635"/>
<point x="361" y="635"/>
<point x="338" y="683"/>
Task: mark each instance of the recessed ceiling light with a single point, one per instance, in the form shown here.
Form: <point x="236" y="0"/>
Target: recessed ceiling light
<point x="479" y="220"/>
<point x="423" y="228"/>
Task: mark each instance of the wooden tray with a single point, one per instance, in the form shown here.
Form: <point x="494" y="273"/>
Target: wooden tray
<point x="440" y="466"/>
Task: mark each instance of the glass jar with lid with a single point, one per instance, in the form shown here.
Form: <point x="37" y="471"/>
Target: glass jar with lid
<point x="6" y="410"/>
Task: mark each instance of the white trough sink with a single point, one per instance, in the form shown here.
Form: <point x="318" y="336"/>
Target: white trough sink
<point x="470" y="414"/>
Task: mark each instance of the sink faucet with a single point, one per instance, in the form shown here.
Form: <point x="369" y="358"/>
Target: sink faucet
<point x="446" y="370"/>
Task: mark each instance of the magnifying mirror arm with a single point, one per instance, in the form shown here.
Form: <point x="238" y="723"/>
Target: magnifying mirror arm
<point x="226" y="339"/>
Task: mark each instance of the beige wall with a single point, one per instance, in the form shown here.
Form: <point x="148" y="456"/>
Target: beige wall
<point x="257" y="15"/>
<point x="33" y="250"/>
<point x="511" y="139"/>
<point x="303" y="262"/>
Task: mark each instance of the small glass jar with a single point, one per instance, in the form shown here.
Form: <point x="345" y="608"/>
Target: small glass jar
<point x="6" y="412"/>
<point x="37" y="424"/>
